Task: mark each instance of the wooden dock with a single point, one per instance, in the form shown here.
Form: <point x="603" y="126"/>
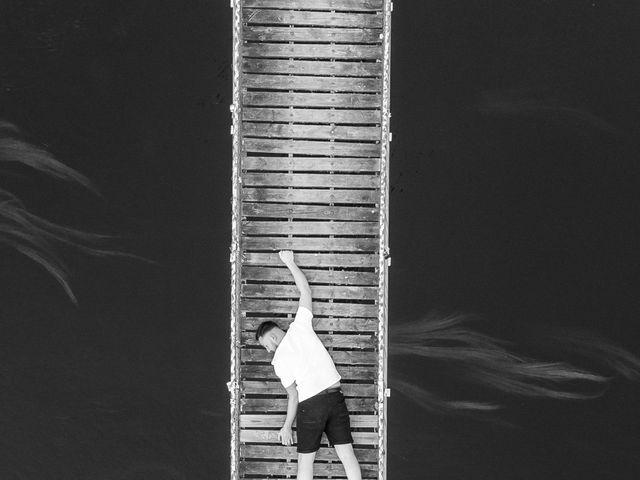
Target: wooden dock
<point x="310" y="125"/>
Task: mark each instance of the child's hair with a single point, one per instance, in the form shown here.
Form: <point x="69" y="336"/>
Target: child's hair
<point x="265" y="327"/>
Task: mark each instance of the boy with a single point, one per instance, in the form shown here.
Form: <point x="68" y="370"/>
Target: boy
<point x="307" y="372"/>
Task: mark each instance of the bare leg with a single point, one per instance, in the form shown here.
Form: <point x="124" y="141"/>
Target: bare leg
<point x="349" y="461"/>
<point x="305" y="465"/>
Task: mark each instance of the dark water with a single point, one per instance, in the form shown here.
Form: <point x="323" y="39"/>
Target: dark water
<point x="514" y="182"/>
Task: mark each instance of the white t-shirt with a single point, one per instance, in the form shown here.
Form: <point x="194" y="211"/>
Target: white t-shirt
<point x="302" y="358"/>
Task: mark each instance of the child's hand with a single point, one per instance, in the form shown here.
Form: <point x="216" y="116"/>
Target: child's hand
<point x="286" y="256"/>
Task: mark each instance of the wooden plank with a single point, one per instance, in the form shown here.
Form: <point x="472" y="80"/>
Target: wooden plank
<point x="319" y="324"/>
<point x="262" y="387"/>
<point x="318" y="132"/>
<point x="326" y="196"/>
<point x="279" y="405"/>
<point x="331" y="5"/>
<point x="311" y="34"/>
<point x="304" y="99"/>
<point x="309" y="228"/>
<point x="320" y="469"/>
<point x="322" y="212"/>
<point x="319" y="308"/>
<point x="334" y="277"/>
<point x="314" y="244"/>
<point x="314" y="115"/>
<point x="260" y="290"/>
<point x="271" y="436"/>
<point x="344" y="260"/>
<point x="267" y="145"/>
<point x="306" y="180"/>
<point x="355" y="357"/>
<point x="341" y="164"/>
<point x="352" y="244"/>
<point x="332" y="340"/>
<point x="254" y="16"/>
<point x="276" y="421"/>
<point x="312" y="67"/>
<point x="311" y="50"/>
<point x="347" y="372"/>
<point x="306" y="82"/>
<point x="364" y="455"/>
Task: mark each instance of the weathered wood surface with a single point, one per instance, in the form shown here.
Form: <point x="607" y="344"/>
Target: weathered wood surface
<point x="267" y="145"/>
<point x="316" y="196"/>
<point x="333" y="277"/>
<point x="319" y="324"/>
<point x="320" y="469"/>
<point x="254" y="290"/>
<point x="271" y="436"/>
<point x="333" y="340"/>
<point x="319" y="308"/>
<point x="344" y="260"/>
<point x="342" y="164"/>
<point x="306" y="82"/>
<point x="310" y="133"/>
<point x="304" y="99"/>
<point x="278" y="452"/>
<point x="344" y="357"/>
<point x="331" y="5"/>
<point x="253" y="16"/>
<point x="311" y="115"/>
<point x="315" y="132"/>
<point x="300" y="180"/>
<point x="309" y="50"/>
<point x="312" y="67"/>
<point x="309" y="228"/>
<point x="276" y="421"/>
<point x="279" y="405"/>
<point x="311" y="34"/>
<point x="319" y="212"/>
<point x="314" y="244"/>
<point x="262" y="387"/>
<point x="347" y="372"/>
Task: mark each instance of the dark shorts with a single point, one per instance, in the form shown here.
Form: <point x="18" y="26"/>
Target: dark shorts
<point x="325" y="412"/>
